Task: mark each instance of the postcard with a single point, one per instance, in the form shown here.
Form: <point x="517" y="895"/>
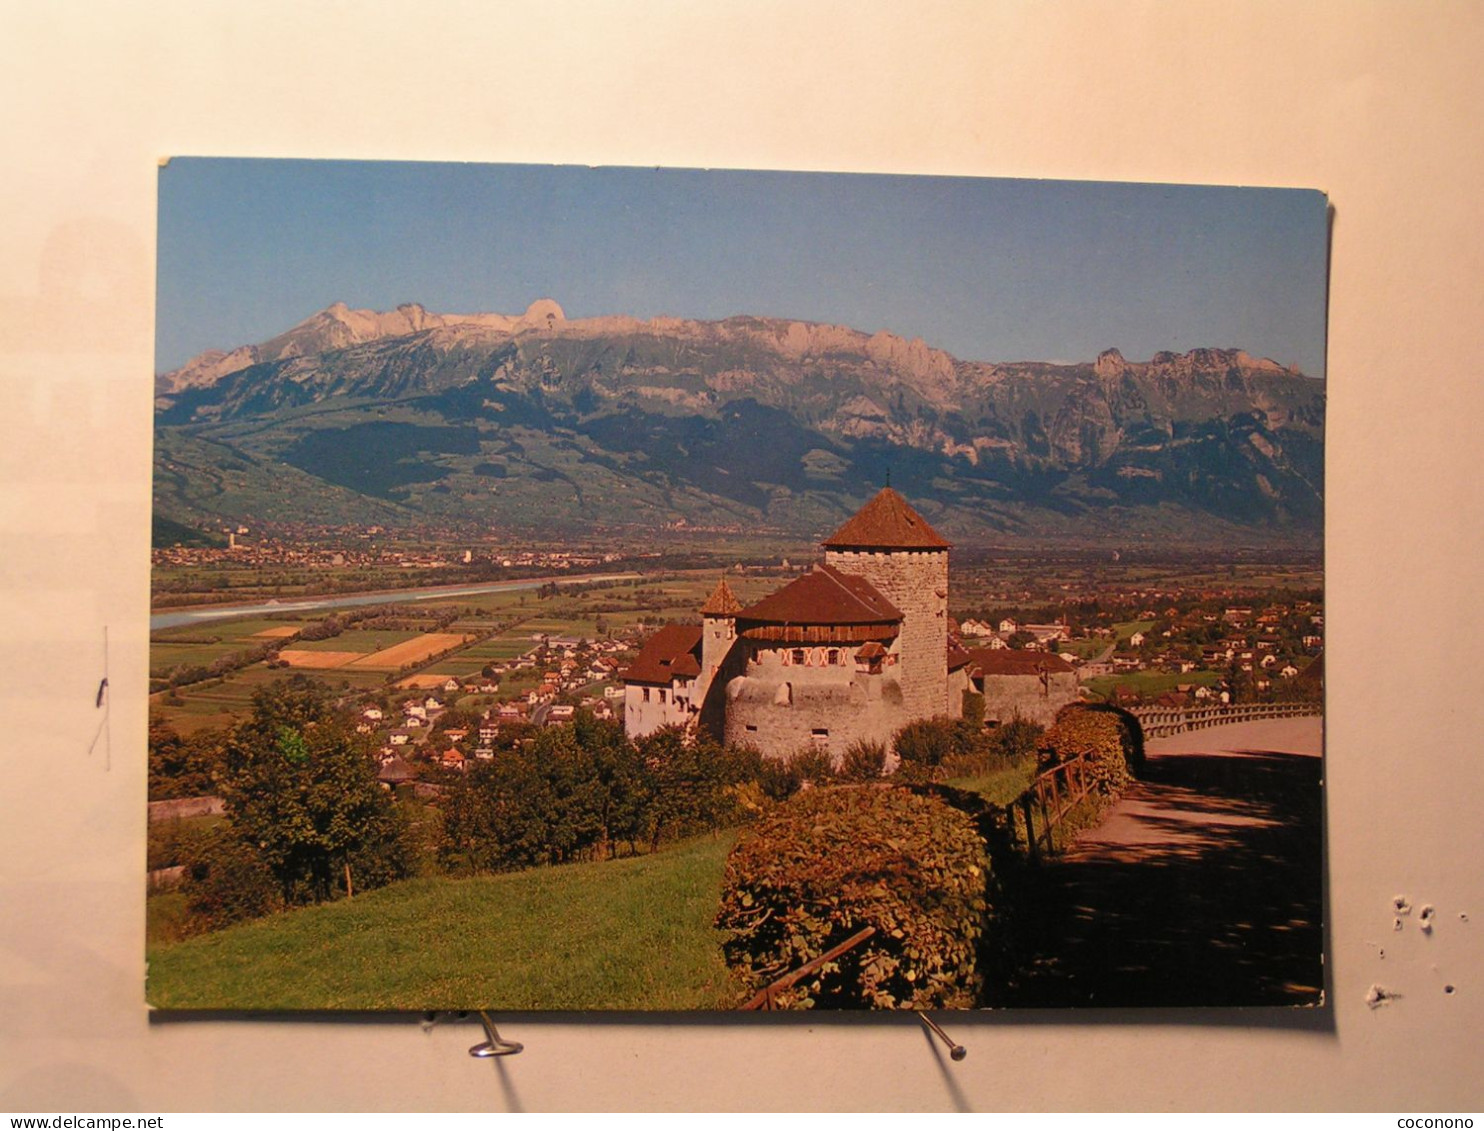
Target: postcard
<point x="668" y="590"/>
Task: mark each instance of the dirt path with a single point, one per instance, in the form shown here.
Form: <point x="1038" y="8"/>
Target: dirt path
<point x="1203" y="885"/>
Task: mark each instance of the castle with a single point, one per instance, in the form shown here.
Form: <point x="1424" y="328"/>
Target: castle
<point x="852" y="650"/>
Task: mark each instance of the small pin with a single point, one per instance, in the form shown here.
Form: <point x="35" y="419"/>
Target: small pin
<point x="955" y="1051"/>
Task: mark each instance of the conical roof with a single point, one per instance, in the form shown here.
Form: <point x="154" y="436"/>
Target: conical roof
<point x="722" y="602"/>
<point x="887" y="522"/>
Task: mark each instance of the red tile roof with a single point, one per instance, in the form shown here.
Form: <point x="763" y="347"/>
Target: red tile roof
<point x="722" y="602"/>
<point x="395" y="771"/>
<point x="958" y="657"/>
<point x="887" y="522"/>
<point x="663" y="655"/>
<point x="1010" y="661"/>
<point x="824" y="595"/>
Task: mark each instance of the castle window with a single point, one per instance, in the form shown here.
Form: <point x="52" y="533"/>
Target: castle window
<point x="834" y="656"/>
<point x="820" y="736"/>
<point x="798" y="656"/>
<point x="646" y="695"/>
<point x="662" y="695"/>
<point x="752" y="728"/>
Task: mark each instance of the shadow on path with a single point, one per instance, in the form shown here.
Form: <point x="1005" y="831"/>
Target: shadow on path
<point x="1202" y="887"/>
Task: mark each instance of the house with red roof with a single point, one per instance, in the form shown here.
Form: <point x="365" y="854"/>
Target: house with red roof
<point x="1022" y="684"/>
<point x="853" y="649"/>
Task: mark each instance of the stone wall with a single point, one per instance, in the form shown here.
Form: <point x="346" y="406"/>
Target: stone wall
<point x="1007" y="697"/>
<point x="958" y="683"/>
<point x="724" y="657"/>
<point x="180" y="808"/>
<point x="781" y="708"/>
<point x="916" y="582"/>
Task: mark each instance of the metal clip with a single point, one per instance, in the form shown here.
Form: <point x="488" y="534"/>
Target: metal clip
<point x="495" y="1045"/>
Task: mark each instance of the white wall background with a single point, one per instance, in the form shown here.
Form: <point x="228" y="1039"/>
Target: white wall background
<point x="1376" y="103"/>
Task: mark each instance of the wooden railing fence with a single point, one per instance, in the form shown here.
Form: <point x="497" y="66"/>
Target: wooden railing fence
<point x="764" y="999"/>
<point x="1047" y="802"/>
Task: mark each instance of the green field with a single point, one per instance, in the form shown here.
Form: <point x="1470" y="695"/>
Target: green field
<point x="472" y="659"/>
<point x="1088" y="649"/>
<point x="218" y="704"/>
<point x="622" y="934"/>
<point x="1149" y="683"/>
<point x="357" y="640"/>
<point x="1121" y="632"/>
<point x="195" y="645"/>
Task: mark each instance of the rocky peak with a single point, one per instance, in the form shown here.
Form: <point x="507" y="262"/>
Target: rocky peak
<point x="1110" y="365"/>
<point x="544" y="312"/>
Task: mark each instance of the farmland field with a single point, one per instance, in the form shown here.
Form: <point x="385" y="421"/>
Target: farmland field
<point x="506" y="646"/>
<point x="298" y="658"/>
<point x="363" y="658"/>
<point x="410" y="651"/>
<point x="424" y="682"/>
<point x="195" y="645"/>
<point x="359" y="640"/>
<point x="216" y="704"/>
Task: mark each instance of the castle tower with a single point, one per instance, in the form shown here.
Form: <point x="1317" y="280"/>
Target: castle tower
<point x="718" y="627"/>
<point x="893" y="547"/>
<point x="718" y="635"/>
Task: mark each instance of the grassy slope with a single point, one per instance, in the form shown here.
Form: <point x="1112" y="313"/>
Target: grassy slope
<point x="1000" y="786"/>
<point x="623" y="934"/>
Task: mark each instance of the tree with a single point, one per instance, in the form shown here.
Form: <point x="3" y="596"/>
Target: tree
<point x="574" y="822"/>
<point x="300" y="785"/>
<point x="180" y="767"/>
<point x="626" y="786"/>
<point x="690" y="793"/>
<point x="498" y="817"/>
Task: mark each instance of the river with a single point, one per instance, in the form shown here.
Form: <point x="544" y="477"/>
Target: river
<point x="207" y="613"/>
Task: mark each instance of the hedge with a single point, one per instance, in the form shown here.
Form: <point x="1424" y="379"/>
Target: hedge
<point x="832" y="861"/>
<point x="1101" y="737"/>
<point x="226" y="881"/>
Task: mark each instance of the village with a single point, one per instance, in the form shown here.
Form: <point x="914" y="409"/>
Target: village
<point x="339" y="547"/>
<point x="444" y="685"/>
<point x="424" y="729"/>
<point x="1187" y="653"/>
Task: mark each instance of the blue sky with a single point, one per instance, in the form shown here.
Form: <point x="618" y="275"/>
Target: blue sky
<point x="990" y="270"/>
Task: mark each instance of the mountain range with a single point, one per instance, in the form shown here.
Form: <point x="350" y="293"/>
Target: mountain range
<point x="534" y="422"/>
